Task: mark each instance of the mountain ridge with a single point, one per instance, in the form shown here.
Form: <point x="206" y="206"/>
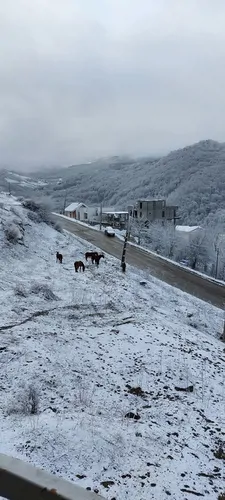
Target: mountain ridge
<point x="192" y="178"/>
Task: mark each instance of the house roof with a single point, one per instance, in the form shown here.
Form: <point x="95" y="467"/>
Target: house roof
<point x="187" y="229"/>
<point x="74" y="206"/>
<point x="150" y="199"/>
<point x="115" y="213"/>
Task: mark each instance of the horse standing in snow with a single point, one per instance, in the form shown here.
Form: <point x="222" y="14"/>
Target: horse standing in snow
<point x="97" y="258"/>
<point x="91" y="255"/>
<point x="59" y="257"/>
<point x="78" y="265"/>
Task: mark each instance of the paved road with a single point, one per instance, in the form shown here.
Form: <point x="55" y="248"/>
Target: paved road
<point x="181" y="278"/>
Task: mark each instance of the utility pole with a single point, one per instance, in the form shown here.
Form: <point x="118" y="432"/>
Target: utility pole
<point x="123" y="259"/>
<point x="64" y="205"/>
<point x="101" y="216"/>
<point x="217" y="249"/>
<point x="217" y="262"/>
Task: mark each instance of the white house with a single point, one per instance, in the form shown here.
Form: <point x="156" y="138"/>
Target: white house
<point x="77" y="211"/>
<point x="187" y="233"/>
<point x="108" y="215"/>
<point x="82" y="212"/>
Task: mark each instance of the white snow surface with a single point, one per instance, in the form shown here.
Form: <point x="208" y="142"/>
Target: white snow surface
<point x="81" y="341"/>
<point x="25" y="181"/>
<point x="187" y="229"/>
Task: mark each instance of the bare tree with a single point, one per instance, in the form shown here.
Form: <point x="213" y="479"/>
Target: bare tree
<point x="197" y="251"/>
<point x="138" y="229"/>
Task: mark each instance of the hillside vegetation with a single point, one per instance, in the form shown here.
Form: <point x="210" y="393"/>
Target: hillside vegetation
<point x="192" y="177"/>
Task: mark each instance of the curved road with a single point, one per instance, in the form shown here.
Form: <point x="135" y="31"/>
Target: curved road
<point x="182" y="278"/>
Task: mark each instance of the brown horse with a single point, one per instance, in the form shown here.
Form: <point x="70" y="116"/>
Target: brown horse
<point x="59" y="257"/>
<point x="91" y="255"/>
<point x="98" y="257"/>
<point x="79" y="265"/>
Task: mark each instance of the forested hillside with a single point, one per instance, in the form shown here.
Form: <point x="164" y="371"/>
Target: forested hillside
<point x="192" y="177"/>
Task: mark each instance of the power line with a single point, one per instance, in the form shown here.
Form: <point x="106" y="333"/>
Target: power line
<point x="101" y="216"/>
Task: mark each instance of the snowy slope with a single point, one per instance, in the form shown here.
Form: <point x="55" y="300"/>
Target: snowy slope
<point x="24" y="180"/>
<point x="83" y="343"/>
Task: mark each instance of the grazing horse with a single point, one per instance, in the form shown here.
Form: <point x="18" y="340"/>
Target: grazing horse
<point x="79" y="265"/>
<point x="98" y="257"/>
<point x="59" y="257"/>
<point x="91" y="255"/>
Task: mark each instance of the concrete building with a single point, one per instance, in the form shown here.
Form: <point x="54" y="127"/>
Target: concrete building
<point x="153" y="209"/>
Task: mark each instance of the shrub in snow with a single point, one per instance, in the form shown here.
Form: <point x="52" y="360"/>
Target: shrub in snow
<point x="13" y="233"/>
<point x="57" y="226"/>
<point x="20" y="290"/>
<point x="84" y="394"/>
<point x="220" y="451"/>
<point x="44" y="290"/>
<point x="34" y="217"/>
<point x="26" y="402"/>
<point x="39" y="208"/>
<point x="41" y="213"/>
<point x="14" y="211"/>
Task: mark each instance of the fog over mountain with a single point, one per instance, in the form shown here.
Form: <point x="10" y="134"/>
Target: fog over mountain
<point x="192" y="177"/>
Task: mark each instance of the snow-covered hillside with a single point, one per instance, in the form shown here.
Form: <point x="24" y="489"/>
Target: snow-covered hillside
<point x="24" y="180"/>
<point x="192" y="178"/>
<point x="83" y="353"/>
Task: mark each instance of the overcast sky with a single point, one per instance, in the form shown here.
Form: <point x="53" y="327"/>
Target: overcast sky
<point x="80" y="79"/>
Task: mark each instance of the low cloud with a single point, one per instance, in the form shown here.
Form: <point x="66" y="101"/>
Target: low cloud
<point x="83" y="79"/>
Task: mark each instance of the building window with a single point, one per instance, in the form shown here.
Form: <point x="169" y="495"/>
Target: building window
<point x="163" y="213"/>
<point x="140" y="204"/>
<point x="85" y="215"/>
<point x="140" y="214"/>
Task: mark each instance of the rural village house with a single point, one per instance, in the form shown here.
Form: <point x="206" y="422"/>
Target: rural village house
<point x="108" y="215"/>
<point x="77" y="211"/>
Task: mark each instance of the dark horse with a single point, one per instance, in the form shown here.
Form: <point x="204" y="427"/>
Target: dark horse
<point x="98" y="257"/>
<point x="91" y="255"/>
<point x="59" y="257"/>
<point x="79" y="265"/>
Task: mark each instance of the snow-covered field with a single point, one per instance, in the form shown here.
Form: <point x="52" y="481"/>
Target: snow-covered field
<point x="24" y="181"/>
<point x="91" y="349"/>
